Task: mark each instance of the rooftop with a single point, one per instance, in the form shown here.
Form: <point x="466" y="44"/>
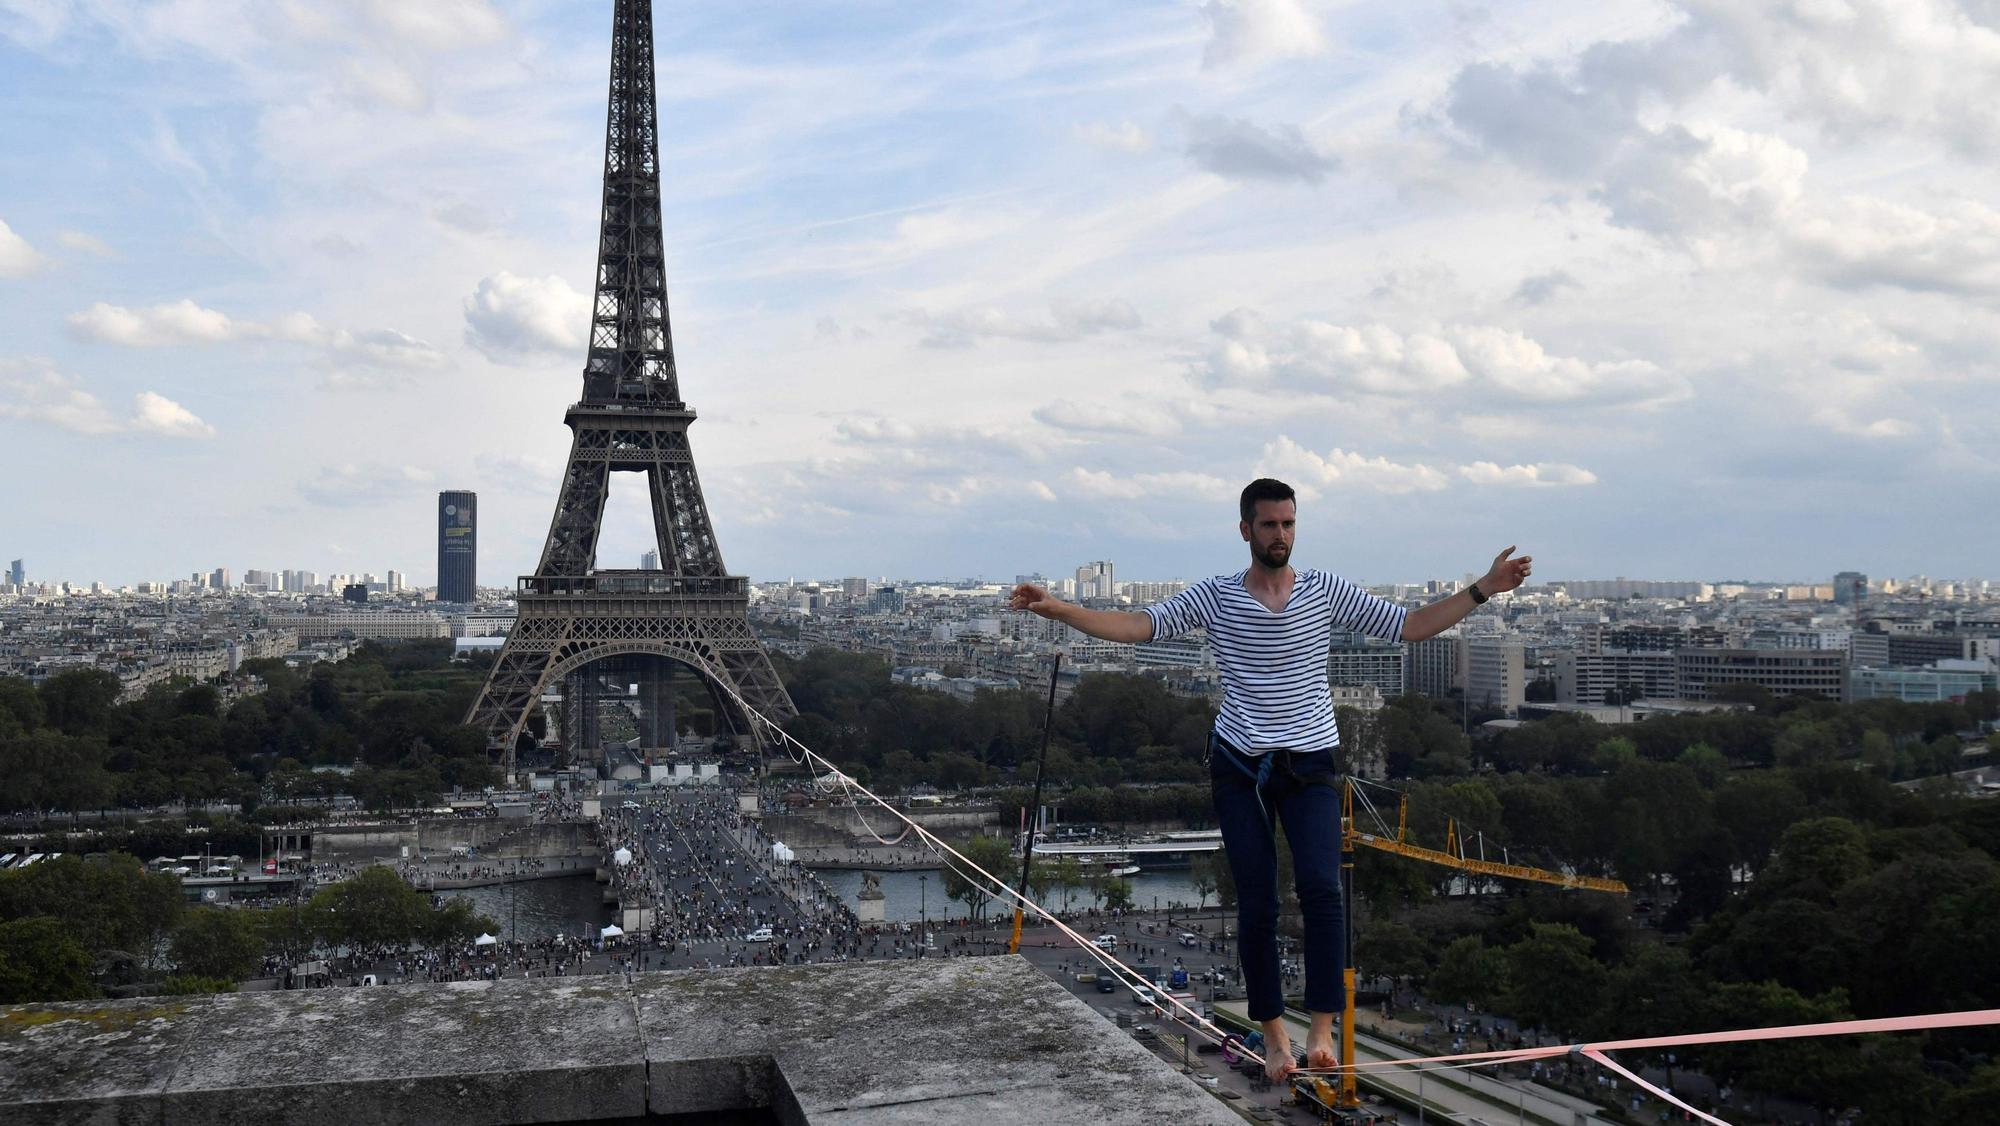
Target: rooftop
<point x="986" y="1040"/>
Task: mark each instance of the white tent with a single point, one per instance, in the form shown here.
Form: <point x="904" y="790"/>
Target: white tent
<point x="623" y="856"/>
<point x="611" y="931"/>
<point x="782" y="854"/>
<point x="484" y="940"/>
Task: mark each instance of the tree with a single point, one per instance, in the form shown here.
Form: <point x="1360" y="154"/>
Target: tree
<point x="374" y="910"/>
<point x="1391" y="949"/>
<point x="454" y="924"/>
<point x="218" y="942"/>
<point x="79" y="701"/>
<point x="1755" y="810"/>
<point x="1201" y="874"/>
<point x="115" y="905"/>
<point x="973" y="890"/>
<point x="1552" y="980"/>
<point x="1655" y="992"/>
<point x="1117" y="893"/>
<point x="41" y="961"/>
<point x="1468" y="973"/>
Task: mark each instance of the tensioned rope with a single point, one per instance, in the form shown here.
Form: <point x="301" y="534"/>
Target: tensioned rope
<point x="1133" y="980"/>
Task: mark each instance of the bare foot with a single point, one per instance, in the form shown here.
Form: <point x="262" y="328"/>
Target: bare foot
<point x="1278" y="1060"/>
<point x="1321" y="1055"/>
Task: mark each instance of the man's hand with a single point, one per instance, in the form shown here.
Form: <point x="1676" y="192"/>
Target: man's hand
<point x="1507" y="574"/>
<point x="1035" y="600"/>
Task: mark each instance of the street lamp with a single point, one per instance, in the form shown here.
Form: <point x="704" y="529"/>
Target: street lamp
<point x="923" y="910"/>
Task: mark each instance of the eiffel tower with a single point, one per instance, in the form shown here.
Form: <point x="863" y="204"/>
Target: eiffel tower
<point x="631" y="419"/>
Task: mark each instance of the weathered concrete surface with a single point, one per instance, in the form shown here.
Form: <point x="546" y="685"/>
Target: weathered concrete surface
<point x="979" y="1040"/>
<point x="987" y="1040"/>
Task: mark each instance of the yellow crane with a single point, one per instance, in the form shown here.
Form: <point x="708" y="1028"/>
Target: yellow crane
<point x="1451" y="856"/>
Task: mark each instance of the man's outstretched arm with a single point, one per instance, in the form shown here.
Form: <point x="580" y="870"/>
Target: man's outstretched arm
<point x="1126" y="626"/>
<point x="1505" y="575"/>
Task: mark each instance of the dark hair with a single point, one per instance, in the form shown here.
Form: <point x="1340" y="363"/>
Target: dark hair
<point x="1263" y="488"/>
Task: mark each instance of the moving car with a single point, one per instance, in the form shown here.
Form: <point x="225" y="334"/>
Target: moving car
<point x="1105" y="942"/>
<point x="761" y="934"/>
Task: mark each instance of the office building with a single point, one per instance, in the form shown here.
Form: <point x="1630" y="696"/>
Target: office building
<point x="1850" y="588"/>
<point x="1944" y="681"/>
<point x="1434" y="666"/>
<point x="1093" y="580"/>
<point x="1355" y="660"/>
<point x="1496" y="673"/>
<point x="218" y="579"/>
<point x="1701" y="673"/>
<point x="854" y="587"/>
<point x="458" y="547"/>
<point x="17" y="573"/>
<point x="650" y="561"/>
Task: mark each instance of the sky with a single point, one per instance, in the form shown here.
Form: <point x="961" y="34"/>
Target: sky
<point x="1702" y="289"/>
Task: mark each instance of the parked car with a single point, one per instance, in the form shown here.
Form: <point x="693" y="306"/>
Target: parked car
<point x="1106" y="985"/>
<point x="1105" y="942"/>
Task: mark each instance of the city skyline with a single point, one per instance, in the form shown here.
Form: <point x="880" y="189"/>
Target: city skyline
<point x="1639" y="288"/>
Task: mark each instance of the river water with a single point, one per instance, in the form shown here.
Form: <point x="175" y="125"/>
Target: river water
<point x="572" y="905"/>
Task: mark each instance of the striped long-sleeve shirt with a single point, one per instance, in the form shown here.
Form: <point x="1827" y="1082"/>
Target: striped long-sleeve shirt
<point x="1274" y="664"/>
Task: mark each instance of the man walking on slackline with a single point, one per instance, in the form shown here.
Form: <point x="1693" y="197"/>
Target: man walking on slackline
<point x="1271" y="753"/>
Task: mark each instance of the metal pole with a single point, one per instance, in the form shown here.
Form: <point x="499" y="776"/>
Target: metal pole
<point x="1420" y="1098"/>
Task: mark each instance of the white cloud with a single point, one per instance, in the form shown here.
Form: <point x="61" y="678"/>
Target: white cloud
<point x="85" y="243"/>
<point x="185" y="322"/>
<point x="1534" y="476"/>
<point x="1243" y="150"/>
<point x="1251" y="32"/>
<point x="1068" y="320"/>
<point x="1496" y="364"/>
<point x="1690" y="183"/>
<point x="17" y="258"/>
<point x="157" y="414"/>
<point x="511" y="317"/>
<point x="35" y="392"/>
<point x="1860" y="241"/>
<point x="1106" y="485"/>
<point x="178" y="322"/>
<point x="1125" y="136"/>
<point x="1313" y="475"/>
<point x="350" y="485"/>
<point x="1125" y="417"/>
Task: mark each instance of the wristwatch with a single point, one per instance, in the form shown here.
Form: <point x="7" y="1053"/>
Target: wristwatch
<point x="1478" y="598"/>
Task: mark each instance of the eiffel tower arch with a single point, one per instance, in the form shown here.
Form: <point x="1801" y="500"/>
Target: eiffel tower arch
<point x="630" y="419"/>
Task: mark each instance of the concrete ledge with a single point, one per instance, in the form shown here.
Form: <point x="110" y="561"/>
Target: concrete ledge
<point x="983" y="1040"/>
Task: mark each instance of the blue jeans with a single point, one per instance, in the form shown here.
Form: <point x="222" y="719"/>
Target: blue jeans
<point x="1252" y="794"/>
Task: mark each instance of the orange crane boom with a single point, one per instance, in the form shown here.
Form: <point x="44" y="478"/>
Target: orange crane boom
<point x="1451" y="856"/>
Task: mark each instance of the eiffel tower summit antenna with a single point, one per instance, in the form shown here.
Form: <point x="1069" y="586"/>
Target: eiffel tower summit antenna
<point x="691" y="611"/>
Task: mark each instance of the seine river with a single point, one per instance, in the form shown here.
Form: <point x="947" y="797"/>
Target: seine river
<point x="540" y="908"/>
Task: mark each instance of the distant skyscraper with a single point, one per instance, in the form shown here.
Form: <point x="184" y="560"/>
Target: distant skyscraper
<point x="395" y="582"/>
<point x="17" y="573"/>
<point x="1093" y="580"/>
<point x="1849" y="588"/>
<point x="219" y="578"/>
<point x="649" y="561"/>
<point x="458" y="547"/>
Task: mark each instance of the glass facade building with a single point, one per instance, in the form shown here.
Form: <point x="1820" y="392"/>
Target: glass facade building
<point x="458" y="547"/>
